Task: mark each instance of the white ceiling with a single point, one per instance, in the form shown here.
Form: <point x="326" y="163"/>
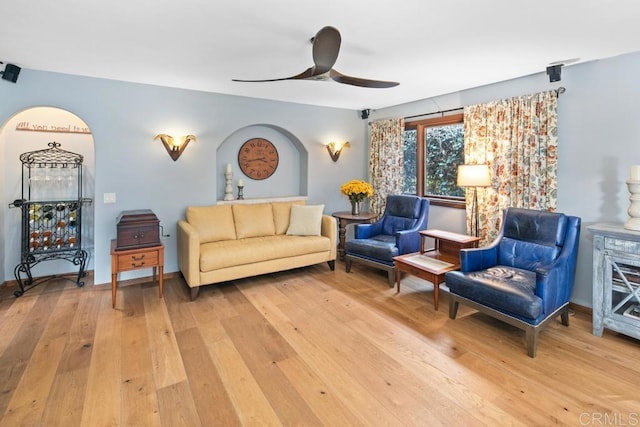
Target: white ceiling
<point x="430" y="47"/>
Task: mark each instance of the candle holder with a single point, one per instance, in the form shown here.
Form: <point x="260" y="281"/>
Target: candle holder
<point x="633" y="223"/>
<point x="228" y="187"/>
<point x="240" y="193"/>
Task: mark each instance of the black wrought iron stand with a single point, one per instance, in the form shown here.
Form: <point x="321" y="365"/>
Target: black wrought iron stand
<point x="51" y="207"/>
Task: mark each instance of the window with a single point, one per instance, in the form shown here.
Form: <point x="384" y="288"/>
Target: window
<point x="433" y="150"/>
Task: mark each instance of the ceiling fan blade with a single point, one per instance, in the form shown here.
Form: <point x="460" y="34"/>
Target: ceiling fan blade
<point x="326" y="46"/>
<point x="303" y="75"/>
<point x="356" y="81"/>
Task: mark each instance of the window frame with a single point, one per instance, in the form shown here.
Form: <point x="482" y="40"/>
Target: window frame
<point x="420" y="126"/>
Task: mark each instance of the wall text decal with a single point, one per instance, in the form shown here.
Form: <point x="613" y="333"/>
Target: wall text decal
<point x="33" y="127"/>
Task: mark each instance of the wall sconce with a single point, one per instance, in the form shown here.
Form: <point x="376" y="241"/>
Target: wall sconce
<point x="335" y="148"/>
<point x="175" y="146"/>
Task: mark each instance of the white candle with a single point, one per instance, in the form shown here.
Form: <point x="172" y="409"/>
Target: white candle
<point x="240" y="183"/>
<point x="635" y="173"/>
<point x="228" y="167"/>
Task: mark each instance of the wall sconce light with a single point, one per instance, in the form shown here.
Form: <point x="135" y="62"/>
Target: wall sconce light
<point x="175" y="146"/>
<point x="335" y="148"/>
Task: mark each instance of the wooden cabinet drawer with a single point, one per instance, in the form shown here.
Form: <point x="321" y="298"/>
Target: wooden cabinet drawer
<point x="621" y="245"/>
<point x="142" y="259"/>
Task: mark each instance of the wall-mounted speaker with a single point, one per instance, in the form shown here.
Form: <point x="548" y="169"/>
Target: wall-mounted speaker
<point x="554" y="71"/>
<point x="364" y="114"/>
<point x="11" y="73"/>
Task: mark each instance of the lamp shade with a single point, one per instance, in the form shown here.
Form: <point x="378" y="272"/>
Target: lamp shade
<point x="473" y="176"/>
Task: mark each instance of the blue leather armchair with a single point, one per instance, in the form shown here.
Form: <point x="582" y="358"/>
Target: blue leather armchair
<point x="395" y="233"/>
<point x="525" y="277"/>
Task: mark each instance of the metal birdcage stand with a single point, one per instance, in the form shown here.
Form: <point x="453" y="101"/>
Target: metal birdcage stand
<point x="51" y="204"/>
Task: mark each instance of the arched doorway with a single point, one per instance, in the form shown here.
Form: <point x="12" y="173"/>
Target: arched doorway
<point x="29" y="130"/>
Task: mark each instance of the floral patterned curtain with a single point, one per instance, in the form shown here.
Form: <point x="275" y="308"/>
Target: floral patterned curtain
<point x="386" y="156"/>
<point x="518" y="139"/>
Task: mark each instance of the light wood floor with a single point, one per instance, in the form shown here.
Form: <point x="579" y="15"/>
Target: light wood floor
<point x="305" y="347"/>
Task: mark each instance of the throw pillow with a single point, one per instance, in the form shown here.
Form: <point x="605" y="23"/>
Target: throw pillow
<point x="306" y="220"/>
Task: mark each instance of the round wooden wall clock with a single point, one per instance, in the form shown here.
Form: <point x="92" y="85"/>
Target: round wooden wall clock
<point x="258" y="158"/>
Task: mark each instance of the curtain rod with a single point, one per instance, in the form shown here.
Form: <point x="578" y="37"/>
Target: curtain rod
<point x="558" y="91"/>
<point x="428" y="114"/>
<point x="435" y="112"/>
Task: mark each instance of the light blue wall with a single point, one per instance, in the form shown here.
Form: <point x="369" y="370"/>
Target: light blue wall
<point x="125" y="117"/>
<point x="3" y="211"/>
<point x="599" y="140"/>
<point x="599" y="132"/>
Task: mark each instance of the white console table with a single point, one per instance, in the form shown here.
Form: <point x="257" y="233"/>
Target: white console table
<point x="616" y="279"/>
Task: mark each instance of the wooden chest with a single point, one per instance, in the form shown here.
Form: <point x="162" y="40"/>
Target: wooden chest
<point x="137" y="229"/>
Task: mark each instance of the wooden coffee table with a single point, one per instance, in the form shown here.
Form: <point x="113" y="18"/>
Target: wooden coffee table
<point x="432" y="264"/>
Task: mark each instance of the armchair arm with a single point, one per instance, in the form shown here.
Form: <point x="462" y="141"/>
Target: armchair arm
<point x="554" y="281"/>
<point x="408" y="241"/>
<point x="478" y="258"/>
<point x="551" y="283"/>
<point x="189" y="253"/>
<point x="330" y="230"/>
<point x="366" y="231"/>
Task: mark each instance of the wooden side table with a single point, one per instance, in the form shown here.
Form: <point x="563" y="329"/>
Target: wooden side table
<point x="432" y="264"/>
<point x="346" y="217"/>
<point x="133" y="259"/>
<point x="447" y="242"/>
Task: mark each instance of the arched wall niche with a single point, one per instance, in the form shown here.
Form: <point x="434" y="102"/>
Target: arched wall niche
<point x="28" y="130"/>
<point x="290" y="178"/>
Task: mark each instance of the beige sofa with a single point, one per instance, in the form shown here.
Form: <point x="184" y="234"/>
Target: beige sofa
<point x="226" y="242"/>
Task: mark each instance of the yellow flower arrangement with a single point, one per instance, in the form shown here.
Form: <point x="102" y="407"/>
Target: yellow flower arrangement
<point x="357" y="190"/>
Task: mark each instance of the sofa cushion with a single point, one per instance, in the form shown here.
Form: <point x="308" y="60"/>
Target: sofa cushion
<point x="282" y="213"/>
<point x="213" y="223"/>
<point x="508" y="289"/>
<point x="305" y="220"/>
<point x="380" y="248"/>
<point x="217" y="255"/>
<point x="253" y="220"/>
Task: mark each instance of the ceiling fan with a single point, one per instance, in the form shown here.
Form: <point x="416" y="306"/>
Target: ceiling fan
<point x="326" y="46"/>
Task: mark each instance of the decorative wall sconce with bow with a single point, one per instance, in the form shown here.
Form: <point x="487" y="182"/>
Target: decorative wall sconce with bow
<point x="335" y="148"/>
<point x="175" y="146"/>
